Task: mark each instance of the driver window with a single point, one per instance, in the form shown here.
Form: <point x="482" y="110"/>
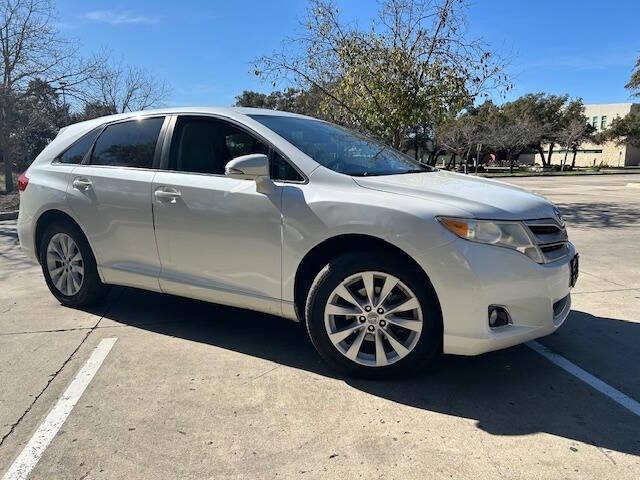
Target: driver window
<point x="206" y="145"/>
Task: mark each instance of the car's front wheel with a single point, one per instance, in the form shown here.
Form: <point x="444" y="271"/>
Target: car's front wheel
<point x="373" y="315"/>
<point x="69" y="266"/>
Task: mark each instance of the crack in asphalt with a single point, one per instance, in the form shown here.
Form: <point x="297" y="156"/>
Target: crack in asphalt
<point x="53" y="376"/>
<point x="77" y="329"/>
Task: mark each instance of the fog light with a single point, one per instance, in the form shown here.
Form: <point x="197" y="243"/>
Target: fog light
<point x="498" y="316"/>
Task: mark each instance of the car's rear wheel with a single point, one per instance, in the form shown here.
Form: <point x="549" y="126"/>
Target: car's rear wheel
<point x="374" y="316"/>
<point x="69" y="266"/>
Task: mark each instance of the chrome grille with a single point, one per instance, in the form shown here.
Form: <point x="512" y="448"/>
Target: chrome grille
<point x="550" y="236"/>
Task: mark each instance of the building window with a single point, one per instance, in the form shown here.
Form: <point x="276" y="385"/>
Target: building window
<point x="603" y="122"/>
<point x="594" y="122"/>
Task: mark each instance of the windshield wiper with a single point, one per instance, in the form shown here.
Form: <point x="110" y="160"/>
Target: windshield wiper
<point x="416" y="170"/>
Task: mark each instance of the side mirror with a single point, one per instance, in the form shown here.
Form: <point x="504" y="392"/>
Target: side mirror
<point x="248" y="167"/>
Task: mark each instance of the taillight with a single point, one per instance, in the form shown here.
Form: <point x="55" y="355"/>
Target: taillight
<point x="23" y="181"/>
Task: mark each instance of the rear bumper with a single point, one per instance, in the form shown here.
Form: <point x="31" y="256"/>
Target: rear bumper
<point x="26" y="235"/>
<point x="469" y="277"/>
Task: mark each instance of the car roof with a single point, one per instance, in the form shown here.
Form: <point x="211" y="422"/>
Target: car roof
<point x="69" y="134"/>
<point x="232" y="112"/>
<point x="227" y="111"/>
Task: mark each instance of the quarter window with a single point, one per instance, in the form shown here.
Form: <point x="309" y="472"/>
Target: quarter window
<point x="128" y="144"/>
<point x="76" y="152"/>
<point x="282" y="170"/>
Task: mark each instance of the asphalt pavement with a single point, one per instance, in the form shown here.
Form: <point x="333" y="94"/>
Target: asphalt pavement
<point x="192" y="390"/>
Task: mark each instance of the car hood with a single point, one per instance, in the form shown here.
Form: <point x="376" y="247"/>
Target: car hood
<point x="464" y="195"/>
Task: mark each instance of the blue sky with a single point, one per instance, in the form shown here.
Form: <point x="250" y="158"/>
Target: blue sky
<point x="204" y="49"/>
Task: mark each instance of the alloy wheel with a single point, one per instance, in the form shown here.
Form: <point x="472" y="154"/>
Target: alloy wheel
<point x="65" y="264"/>
<point x="373" y="319"/>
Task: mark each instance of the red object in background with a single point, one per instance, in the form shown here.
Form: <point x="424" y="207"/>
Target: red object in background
<point x="23" y="181"/>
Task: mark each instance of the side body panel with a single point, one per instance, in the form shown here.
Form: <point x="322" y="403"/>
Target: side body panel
<point x="220" y="240"/>
<point x="332" y="205"/>
<point x="115" y="213"/>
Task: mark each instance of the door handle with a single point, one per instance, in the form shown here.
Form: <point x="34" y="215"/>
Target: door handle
<point x="167" y="194"/>
<point x="80" y="183"/>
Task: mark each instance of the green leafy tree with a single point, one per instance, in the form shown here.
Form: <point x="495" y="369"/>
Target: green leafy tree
<point x="544" y="115"/>
<point x="38" y="115"/>
<point x="624" y="131"/>
<point x="93" y="109"/>
<point x="634" y="81"/>
<point x="399" y="79"/>
<point x="305" y="102"/>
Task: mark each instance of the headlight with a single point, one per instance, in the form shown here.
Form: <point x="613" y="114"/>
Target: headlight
<point x="502" y="234"/>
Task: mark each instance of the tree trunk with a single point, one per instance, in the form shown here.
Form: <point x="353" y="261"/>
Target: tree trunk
<point x="551" y="145"/>
<point x="466" y="161"/>
<point x="8" y="172"/>
<point x="510" y="158"/>
<point x="434" y="157"/>
<point x="4" y="148"/>
<point x="452" y="161"/>
<point x="415" y="143"/>
<point x="564" y="160"/>
<point x="573" y="162"/>
<point x="541" y="152"/>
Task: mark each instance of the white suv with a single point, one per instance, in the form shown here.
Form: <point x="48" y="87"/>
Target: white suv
<point x="388" y="262"/>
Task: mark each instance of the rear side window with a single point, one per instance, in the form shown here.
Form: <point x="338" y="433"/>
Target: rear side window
<point x="128" y="144"/>
<point x="76" y="152"/>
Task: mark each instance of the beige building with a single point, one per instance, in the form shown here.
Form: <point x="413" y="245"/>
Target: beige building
<point x="608" y="154"/>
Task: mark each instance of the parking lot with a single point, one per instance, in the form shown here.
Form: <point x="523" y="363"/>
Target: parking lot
<point x="192" y="390"/>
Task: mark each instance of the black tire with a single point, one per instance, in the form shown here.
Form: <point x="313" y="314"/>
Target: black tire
<point x="92" y="289"/>
<point x="426" y="352"/>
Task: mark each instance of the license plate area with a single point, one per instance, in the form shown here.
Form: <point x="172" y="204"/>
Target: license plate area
<point x="574" y="270"/>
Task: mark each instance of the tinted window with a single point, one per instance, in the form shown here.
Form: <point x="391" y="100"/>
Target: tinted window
<point x="128" y="144"/>
<point x="203" y="145"/>
<point x="77" y="151"/>
<point x="282" y="170"/>
<point x="340" y="149"/>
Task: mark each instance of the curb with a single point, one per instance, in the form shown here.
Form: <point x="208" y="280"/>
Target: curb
<point x="549" y="174"/>
<point x="9" y="215"/>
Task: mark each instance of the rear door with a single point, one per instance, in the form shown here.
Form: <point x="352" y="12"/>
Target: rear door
<point x="219" y="238"/>
<point x="110" y="195"/>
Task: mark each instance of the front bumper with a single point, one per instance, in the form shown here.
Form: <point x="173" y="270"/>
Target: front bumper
<point x="468" y="277"/>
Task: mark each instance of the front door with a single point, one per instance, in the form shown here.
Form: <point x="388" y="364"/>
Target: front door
<point x="110" y="195"/>
<point x="219" y="239"/>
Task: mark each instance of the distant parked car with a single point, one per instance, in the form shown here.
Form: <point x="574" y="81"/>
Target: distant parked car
<point x="387" y="262"/>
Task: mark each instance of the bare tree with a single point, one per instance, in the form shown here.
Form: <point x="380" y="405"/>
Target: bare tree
<point x="124" y="88"/>
<point x="509" y="134"/>
<point x="31" y="49"/>
<point x="574" y="132"/>
<point x="458" y="136"/>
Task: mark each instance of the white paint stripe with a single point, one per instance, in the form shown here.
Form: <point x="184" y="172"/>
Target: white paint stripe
<point x="604" y="388"/>
<point x="41" y="439"/>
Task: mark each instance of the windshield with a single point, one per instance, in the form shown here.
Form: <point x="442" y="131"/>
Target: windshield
<point x="340" y="149"/>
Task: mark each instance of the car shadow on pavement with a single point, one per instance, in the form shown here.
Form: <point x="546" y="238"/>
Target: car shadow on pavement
<point x="599" y="214"/>
<point x="508" y="393"/>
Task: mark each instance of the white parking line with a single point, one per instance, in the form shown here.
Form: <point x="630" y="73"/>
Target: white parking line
<point x="41" y="439"/>
<point x="604" y="388"/>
